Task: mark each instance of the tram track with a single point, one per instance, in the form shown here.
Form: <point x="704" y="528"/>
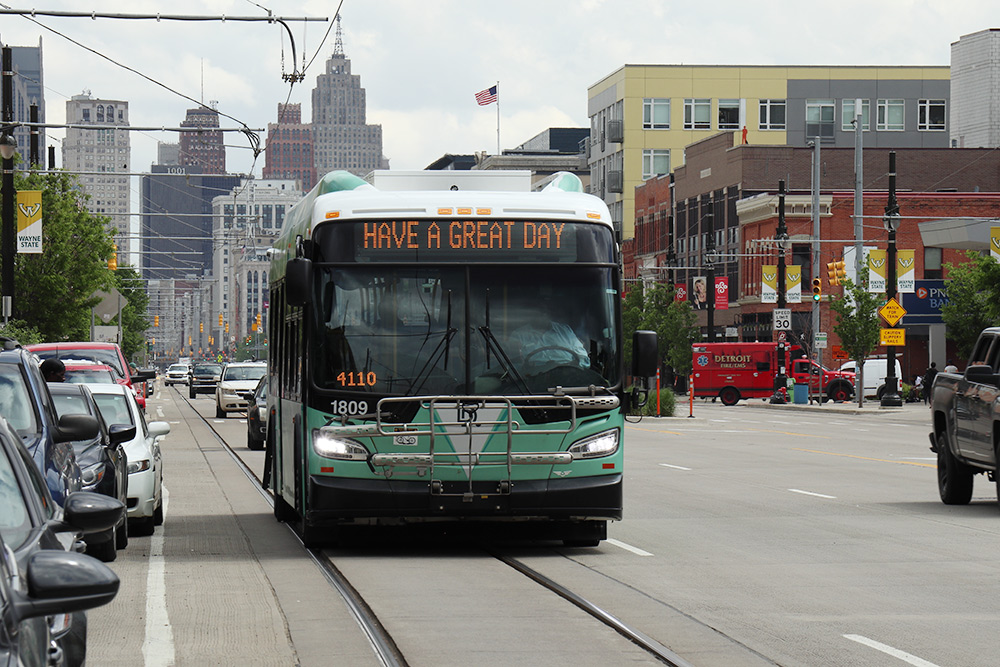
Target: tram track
<point x="382" y="643"/>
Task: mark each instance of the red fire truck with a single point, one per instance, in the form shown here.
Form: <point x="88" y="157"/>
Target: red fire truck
<point x="732" y="371"/>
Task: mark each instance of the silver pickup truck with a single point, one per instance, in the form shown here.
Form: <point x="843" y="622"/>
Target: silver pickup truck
<point x="966" y="421"/>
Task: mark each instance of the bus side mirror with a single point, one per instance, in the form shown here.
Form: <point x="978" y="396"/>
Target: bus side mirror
<point x="644" y="353"/>
<point x="298" y="281"/>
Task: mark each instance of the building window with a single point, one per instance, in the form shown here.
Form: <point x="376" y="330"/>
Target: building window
<point x="655" y="162"/>
<point x="930" y="115"/>
<point x="729" y="114"/>
<point x="100" y="113"/>
<point x="890" y="115"/>
<point x="819" y="119"/>
<point x="656" y="114"/>
<point x="86" y="114"/>
<point x="697" y="114"/>
<point x="847" y="115"/>
<point x="772" y="115"/>
<point x="932" y="264"/>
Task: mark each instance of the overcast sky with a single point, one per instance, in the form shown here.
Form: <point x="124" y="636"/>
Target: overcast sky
<point x="422" y="61"/>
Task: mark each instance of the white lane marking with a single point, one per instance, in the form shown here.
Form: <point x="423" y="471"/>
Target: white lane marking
<point x="159" y="411"/>
<point x="628" y="547"/>
<point x="158" y="646"/>
<point x="667" y="465"/>
<point x="894" y="652"/>
<point x="810" y="493"/>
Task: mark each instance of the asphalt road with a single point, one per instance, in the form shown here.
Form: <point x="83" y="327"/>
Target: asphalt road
<point x="752" y="535"/>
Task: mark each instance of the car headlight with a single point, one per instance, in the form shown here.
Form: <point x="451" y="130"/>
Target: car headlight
<point x="137" y="466"/>
<point x="92" y="474"/>
<point x="602" y="444"/>
<point x="331" y="446"/>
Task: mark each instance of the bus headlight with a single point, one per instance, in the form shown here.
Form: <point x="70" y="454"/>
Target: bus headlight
<point x="602" y="444"/>
<point x="332" y="446"/>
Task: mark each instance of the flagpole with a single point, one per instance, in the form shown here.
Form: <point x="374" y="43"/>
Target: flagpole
<point x="498" y="117"/>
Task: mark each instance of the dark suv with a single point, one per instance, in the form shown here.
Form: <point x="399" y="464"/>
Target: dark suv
<point x="203" y="379"/>
<point x="27" y="405"/>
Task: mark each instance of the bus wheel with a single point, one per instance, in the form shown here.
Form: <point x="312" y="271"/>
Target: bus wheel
<point x="315" y="537"/>
<point x="584" y="533"/>
<point x="730" y="396"/>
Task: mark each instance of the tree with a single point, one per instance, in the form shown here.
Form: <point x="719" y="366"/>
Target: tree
<point x="53" y="289"/>
<point x="673" y="321"/>
<point x="974" y="300"/>
<point x="135" y="317"/>
<point x="857" y="325"/>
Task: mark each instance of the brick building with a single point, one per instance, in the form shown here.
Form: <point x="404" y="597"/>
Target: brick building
<point x="289" y="152"/>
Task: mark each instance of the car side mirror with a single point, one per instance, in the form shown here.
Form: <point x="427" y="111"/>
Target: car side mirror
<point x="76" y="427"/>
<point x="982" y="374"/>
<point x="62" y="582"/>
<point x="158" y="429"/>
<point x="121" y="433"/>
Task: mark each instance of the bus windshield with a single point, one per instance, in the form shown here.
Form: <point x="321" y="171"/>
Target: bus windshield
<point x="480" y="329"/>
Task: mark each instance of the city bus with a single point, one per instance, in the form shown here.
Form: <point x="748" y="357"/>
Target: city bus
<point x="441" y="351"/>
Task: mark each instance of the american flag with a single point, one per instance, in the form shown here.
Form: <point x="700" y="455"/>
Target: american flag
<point x="488" y="96"/>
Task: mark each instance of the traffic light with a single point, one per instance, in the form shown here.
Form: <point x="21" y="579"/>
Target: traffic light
<point x="113" y="261"/>
<point x="817" y="289"/>
<point x="227" y="327"/>
<point x="201" y="327"/>
<point x="836" y="272"/>
<point x="156" y="320"/>
<point x="220" y="319"/>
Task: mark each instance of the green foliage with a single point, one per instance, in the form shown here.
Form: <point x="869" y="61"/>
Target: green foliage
<point x="668" y="404"/>
<point x="857" y="319"/>
<point x="135" y="318"/>
<point x="674" y="323"/>
<point x="53" y="289"/>
<point x="974" y="295"/>
<point x="21" y="332"/>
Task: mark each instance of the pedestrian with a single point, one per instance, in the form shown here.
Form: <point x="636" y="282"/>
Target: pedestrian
<point x="951" y="367"/>
<point x="918" y="389"/>
<point x="53" y="370"/>
<point x="929" y="376"/>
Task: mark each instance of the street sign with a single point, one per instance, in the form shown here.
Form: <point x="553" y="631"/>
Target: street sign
<point x="892" y="312"/>
<point x="782" y="319"/>
<point x="821" y="340"/>
<point x="782" y="336"/>
<point x="894" y="337"/>
<point x="840" y="353"/>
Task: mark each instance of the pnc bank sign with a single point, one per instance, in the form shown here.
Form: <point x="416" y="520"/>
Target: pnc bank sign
<point x="923" y="305"/>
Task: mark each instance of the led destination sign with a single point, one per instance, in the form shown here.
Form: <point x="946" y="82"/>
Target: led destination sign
<point x="468" y="241"/>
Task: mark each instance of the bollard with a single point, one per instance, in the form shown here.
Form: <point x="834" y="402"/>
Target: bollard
<point x="658" y="392"/>
<point x="690" y="396"/>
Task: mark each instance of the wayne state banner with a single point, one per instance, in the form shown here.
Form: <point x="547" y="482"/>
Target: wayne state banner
<point x="995" y="243"/>
<point x="769" y="283"/>
<point x="905" y="271"/>
<point x="29" y="221"/>
<point x="878" y="270"/>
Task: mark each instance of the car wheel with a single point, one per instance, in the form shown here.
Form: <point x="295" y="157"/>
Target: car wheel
<point x="143" y="526"/>
<point x="954" y="477"/>
<point x="191" y="393"/>
<point x="158" y="515"/>
<point x="105" y="551"/>
<point x="730" y="396"/>
<point x="839" y="393"/>
<point x="219" y="412"/>
<point x="121" y="535"/>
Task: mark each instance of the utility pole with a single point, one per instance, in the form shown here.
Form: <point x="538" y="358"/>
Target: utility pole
<point x="781" y="236"/>
<point x="891" y="396"/>
<point x="710" y="265"/>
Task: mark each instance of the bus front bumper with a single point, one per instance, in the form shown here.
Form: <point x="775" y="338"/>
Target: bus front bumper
<point x="334" y="500"/>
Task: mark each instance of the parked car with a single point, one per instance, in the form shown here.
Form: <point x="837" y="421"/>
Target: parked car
<point x="26" y="403"/>
<point x="36" y="536"/>
<point x="145" y="461"/>
<point x="257" y="415"/>
<point x="177" y="374"/>
<point x="80" y="371"/>
<point x="102" y="462"/>
<point x="237" y="379"/>
<point x="875" y="371"/>
<point x="203" y="378"/>
<point x="100" y="352"/>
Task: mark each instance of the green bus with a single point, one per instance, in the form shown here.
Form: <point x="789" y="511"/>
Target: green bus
<point x="443" y="351"/>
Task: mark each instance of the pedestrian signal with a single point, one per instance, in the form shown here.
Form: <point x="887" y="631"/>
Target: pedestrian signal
<point x="817" y="289"/>
<point x="836" y="272"/>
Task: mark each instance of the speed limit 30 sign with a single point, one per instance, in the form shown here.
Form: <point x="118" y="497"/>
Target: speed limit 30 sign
<point x="782" y="319"/>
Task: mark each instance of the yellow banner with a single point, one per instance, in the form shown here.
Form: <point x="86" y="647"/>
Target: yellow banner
<point x="876" y="270"/>
<point x="905" y="271"/>
<point x="769" y="283"/>
<point x="995" y="243"/>
<point x="793" y="284"/>
<point x="29" y="221"/>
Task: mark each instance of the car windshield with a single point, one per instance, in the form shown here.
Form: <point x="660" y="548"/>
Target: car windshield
<point x="114" y="408"/>
<point x="83" y="375"/>
<point x="210" y="369"/>
<point x="15" y="402"/>
<point x="236" y="373"/>
<point x="107" y="357"/>
<point x="70" y="404"/>
<point x="15" y="524"/>
<point x="478" y="329"/>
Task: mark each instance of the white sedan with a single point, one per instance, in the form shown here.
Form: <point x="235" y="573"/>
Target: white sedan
<point x="145" y="463"/>
<point x="236" y="380"/>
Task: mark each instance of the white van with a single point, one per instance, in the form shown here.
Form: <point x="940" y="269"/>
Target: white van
<point x="875" y="374"/>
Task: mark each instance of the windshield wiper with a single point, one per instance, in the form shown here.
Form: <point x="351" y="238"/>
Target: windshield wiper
<point x="493" y="344"/>
<point x="443" y="348"/>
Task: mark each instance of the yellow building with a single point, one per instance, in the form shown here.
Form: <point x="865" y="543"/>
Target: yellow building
<point x="642" y="116"/>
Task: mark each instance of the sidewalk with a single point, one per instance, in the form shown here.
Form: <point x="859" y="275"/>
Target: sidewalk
<point x="871" y="407"/>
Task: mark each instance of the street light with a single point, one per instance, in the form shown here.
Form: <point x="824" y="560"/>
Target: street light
<point x="891" y="221"/>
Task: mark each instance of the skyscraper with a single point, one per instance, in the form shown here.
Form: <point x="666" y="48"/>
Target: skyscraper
<point x="341" y="137"/>
<point x="28" y="90"/>
<point x="101" y="158"/>
<point x="289" y="148"/>
<point x="202" y="150"/>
